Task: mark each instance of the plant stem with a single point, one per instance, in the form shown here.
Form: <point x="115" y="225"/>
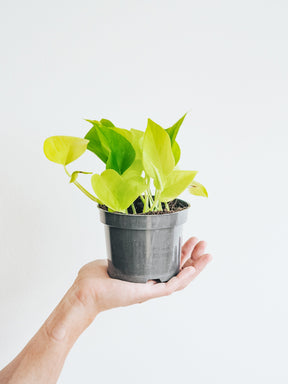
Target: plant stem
<point x="141" y="197"/>
<point x="150" y="197"/>
<point x="82" y="189"/>
<point x="167" y="206"/>
<point x="133" y="209"/>
<point x="145" y="202"/>
<point x="155" y="203"/>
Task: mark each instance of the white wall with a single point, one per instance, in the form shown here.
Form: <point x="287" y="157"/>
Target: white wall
<point x="63" y="61"/>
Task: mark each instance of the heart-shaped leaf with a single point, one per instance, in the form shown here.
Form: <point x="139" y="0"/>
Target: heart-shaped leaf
<point x="172" y="132"/>
<point x="175" y="183"/>
<point x="136" y="139"/>
<point x="197" y="189"/>
<point x="136" y="167"/>
<point x="111" y="147"/>
<point x="95" y="144"/>
<point x="64" y="149"/>
<point x="158" y="159"/>
<point x="176" y="152"/>
<point x="118" y="192"/>
<point x="107" y="123"/>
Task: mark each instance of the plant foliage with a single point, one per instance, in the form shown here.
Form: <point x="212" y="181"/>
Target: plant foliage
<point x="137" y="164"/>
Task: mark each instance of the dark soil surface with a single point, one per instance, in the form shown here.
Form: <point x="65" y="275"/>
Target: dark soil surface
<point x="174" y="206"/>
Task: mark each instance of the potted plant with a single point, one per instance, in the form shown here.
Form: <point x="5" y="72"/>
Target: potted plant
<point x="137" y="194"/>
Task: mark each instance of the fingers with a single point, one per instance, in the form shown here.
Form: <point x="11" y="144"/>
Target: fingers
<point x="181" y="281"/>
<point x="175" y="284"/>
<point x="201" y="263"/>
<point x="184" y="277"/>
<point x="198" y="251"/>
<point x="187" y="249"/>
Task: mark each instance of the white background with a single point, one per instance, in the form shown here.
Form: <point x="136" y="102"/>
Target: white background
<point x="226" y="61"/>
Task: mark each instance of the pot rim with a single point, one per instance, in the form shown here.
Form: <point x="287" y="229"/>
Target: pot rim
<point x="142" y="214"/>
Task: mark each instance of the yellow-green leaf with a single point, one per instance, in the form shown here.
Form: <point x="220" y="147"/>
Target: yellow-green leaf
<point x="136" y="139"/>
<point x="64" y="149"/>
<point x="136" y="167"/>
<point x="116" y="191"/>
<point x="158" y="159"/>
<point x="172" y="132"/>
<point x="176" y="151"/>
<point x="175" y="183"/>
<point x="107" y="123"/>
<point x="197" y="189"/>
<point x="111" y="146"/>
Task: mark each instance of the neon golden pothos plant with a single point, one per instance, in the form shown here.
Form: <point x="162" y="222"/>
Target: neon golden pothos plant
<point x="135" y="162"/>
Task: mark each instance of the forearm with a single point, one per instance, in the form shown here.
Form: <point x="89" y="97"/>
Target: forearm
<point x="94" y="291"/>
<point x="42" y="359"/>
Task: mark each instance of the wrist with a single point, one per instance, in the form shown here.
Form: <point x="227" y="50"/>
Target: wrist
<point x="71" y="317"/>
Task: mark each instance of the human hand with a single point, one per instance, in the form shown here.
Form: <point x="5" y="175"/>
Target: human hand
<point x="93" y="291"/>
<point x="97" y="292"/>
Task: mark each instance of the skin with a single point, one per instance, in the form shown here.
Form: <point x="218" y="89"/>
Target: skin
<point x="93" y="292"/>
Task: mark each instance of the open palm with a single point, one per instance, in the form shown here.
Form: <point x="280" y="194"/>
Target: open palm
<point x="96" y="290"/>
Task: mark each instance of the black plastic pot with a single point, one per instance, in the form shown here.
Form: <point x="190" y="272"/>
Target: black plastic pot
<point x="143" y="247"/>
